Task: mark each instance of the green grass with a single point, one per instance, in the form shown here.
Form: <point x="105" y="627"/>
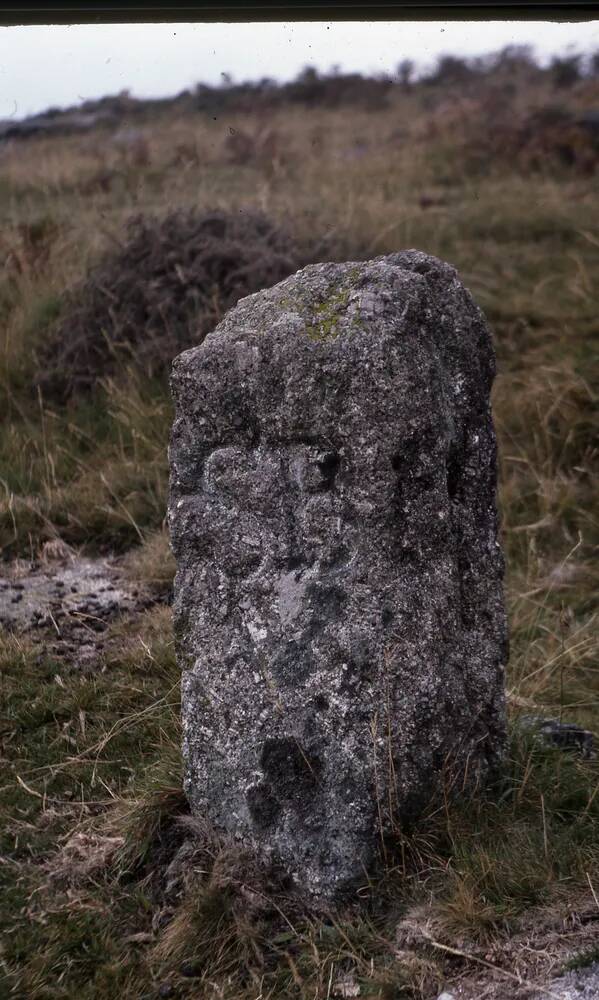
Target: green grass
<point x="95" y="473"/>
<point x="583" y="960"/>
<point x="90" y="798"/>
<point x="92" y="917"/>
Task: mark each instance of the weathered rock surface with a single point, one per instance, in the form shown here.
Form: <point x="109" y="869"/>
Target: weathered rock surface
<point x="338" y="600"/>
<point x="564" y="735"/>
<point x="579" y="984"/>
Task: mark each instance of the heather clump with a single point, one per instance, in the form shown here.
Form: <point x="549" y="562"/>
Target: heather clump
<point x="160" y="290"/>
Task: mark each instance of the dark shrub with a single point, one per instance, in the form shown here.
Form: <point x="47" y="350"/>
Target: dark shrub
<point x="452" y="70"/>
<point x="163" y="290"/>
<point x="565" y="71"/>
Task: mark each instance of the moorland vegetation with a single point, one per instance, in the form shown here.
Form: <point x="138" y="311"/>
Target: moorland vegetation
<point x="115" y="256"/>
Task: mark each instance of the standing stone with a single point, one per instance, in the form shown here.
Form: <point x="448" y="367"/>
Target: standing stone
<point x="338" y="600"/>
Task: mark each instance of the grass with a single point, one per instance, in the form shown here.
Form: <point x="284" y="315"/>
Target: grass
<point x="93" y="473"/>
<point x="583" y="960"/>
<point x="90" y="798"/>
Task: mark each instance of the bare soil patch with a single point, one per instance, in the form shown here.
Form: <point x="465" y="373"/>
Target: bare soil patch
<point x="66" y="604"/>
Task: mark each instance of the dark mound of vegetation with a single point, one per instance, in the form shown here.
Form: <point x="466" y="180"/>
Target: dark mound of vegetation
<point x="310" y="89"/>
<point x="545" y="139"/>
<point x="162" y="291"/>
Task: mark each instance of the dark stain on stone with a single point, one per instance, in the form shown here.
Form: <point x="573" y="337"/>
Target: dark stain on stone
<point x="328" y="465"/>
<point x="339" y="556"/>
<point x="328" y="599"/>
<point x="248" y="564"/>
<point x="387" y="616"/>
<point x="255" y="434"/>
<point x="423" y="268"/>
<point x="290" y="773"/>
<point x="467" y="612"/>
<point x="263" y="805"/>
<point x="289" y="765"/>
<point x="291" y="664"/>
<point x="453" y="473"/>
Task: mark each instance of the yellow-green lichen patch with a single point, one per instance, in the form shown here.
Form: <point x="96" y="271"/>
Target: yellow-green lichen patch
<point x="326" y="317"/>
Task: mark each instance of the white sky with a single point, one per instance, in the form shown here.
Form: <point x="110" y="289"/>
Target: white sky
<point x="42" y="66"/>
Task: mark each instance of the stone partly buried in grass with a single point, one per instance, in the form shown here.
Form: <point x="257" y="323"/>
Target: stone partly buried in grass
<point x="338" y="599"/>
